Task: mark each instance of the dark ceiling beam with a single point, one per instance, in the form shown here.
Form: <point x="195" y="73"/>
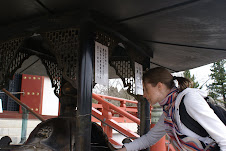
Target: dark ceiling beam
<point x="162" y="10"/>
<point x="125" y="40"/>
<point x="44" y="6"/>
<point x="163" y="66"/>
<point x="181" y="45"/>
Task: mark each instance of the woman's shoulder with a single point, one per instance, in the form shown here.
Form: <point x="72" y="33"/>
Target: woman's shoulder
<point x="190" y="95"/>
<point x="193" y="92"/>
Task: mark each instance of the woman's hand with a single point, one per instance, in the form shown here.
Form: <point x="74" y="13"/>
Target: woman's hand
<point x="122" y="149"/>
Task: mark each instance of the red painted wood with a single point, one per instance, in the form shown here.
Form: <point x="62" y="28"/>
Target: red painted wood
<point x="160" y="145"/>
<point x="114" y="124"/>
<point x="115" y="108"/>
<point x="32" y="86"/>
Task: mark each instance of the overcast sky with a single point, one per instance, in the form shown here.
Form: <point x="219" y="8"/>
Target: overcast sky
<point x="201" y="75"/>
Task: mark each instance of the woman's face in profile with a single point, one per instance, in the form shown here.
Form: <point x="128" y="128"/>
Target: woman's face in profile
<point x="151" y="93"/>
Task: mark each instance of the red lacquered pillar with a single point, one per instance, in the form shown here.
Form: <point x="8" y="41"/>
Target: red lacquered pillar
<point x="156" y="112"/>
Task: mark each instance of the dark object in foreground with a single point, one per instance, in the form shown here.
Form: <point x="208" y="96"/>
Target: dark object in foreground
<point x="58" y="134"/>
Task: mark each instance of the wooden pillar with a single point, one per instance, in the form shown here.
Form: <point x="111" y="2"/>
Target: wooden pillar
<point x="144" y="117"/>
<point x="85" y="80"/>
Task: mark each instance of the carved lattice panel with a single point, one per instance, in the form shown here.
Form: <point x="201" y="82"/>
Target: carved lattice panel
<point x="124" y="70"/>
<point x="65" y="46"/>
<point x="17" y="62"/>
<point x="106" y="40"/>
<point x="55" y="75"/>
<point x="9" y="59"/>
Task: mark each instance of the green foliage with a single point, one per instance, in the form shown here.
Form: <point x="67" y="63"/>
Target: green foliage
<point x="218" y="86"/>
<point x="187" y="75"/>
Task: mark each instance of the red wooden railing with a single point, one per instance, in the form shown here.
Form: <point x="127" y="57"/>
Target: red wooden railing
<point x="108" y="121"/>
<point x="130" y="109"/>
<point x="105" y="111"/>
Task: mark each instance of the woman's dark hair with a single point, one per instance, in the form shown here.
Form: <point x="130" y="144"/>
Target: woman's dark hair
<point x="160" y="74"/>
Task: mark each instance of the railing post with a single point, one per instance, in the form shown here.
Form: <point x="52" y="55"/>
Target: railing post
<point x="24" y="125"/>
<point x="123" y="106"/>
<point x="101" y="109"/>
<point x="107" y="116"/>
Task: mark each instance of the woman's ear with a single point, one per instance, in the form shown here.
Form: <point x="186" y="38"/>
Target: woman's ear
<point x="159" y="85"/>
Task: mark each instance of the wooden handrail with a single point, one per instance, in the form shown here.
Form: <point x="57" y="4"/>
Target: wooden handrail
<point x="23" y="105"/>
<point x="116" y="99"/>
<point x="117" y="109"/>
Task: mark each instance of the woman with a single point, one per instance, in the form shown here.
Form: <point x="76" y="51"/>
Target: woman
<point x="159" y="87"/>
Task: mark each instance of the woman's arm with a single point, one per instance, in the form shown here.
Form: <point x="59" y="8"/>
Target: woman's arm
<point x="149" y="139"/>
